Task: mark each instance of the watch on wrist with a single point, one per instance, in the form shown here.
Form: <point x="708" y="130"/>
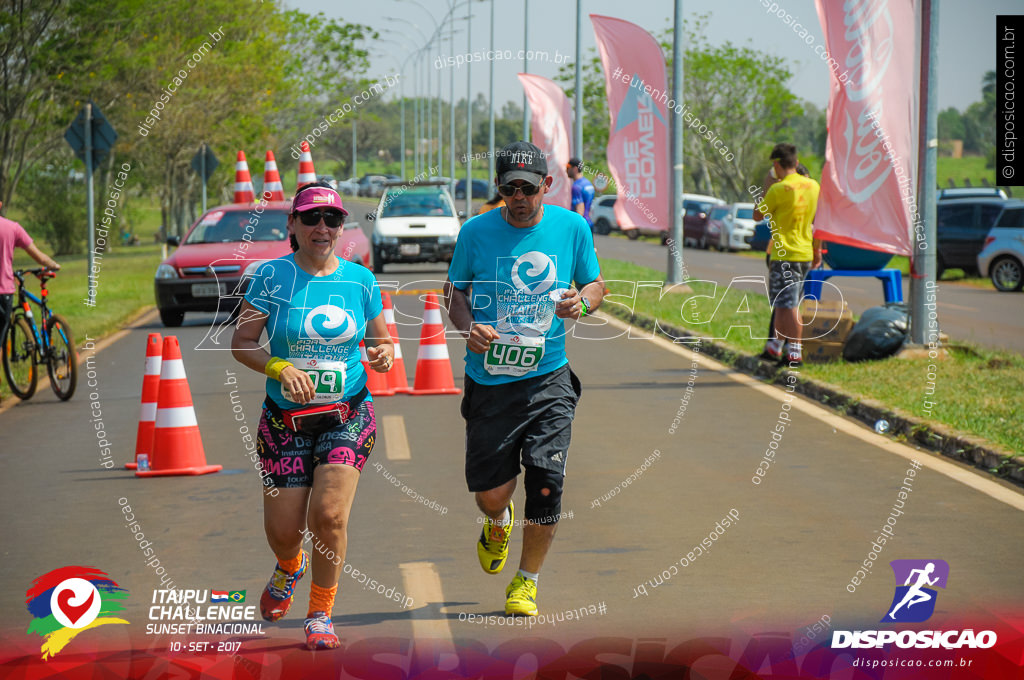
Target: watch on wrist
<point x="585" y="305"/>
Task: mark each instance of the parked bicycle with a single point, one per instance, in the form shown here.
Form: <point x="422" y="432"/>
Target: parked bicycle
<point x="28" y="345"/>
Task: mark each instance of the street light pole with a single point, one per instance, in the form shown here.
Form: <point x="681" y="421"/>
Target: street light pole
<point x="490" y="102"/>
<point x="674" y="274"/>
<point x="526" y="67"/>
<point x="469" y="120"/>
<point x="579" y="80"/>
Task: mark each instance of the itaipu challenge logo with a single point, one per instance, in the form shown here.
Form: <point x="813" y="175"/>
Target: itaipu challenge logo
<point x="68" y="601"/>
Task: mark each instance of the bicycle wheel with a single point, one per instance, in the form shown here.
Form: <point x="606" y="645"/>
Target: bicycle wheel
<point x="61" y="359"/>
<point x="19" y="359"/>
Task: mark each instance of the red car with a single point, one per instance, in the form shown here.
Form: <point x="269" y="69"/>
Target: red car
<point x="204" y="273"/>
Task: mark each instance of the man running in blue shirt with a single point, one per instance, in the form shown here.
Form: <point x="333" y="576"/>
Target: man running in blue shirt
<point x="582" y="190"/>
<point x="517" y="273"/>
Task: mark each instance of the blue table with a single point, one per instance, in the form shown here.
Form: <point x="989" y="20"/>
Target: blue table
<point x="892" y="281"/>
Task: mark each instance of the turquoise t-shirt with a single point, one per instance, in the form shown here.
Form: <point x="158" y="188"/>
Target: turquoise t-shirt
<point x="317" y="322"/>
<point x="512" y="272"/>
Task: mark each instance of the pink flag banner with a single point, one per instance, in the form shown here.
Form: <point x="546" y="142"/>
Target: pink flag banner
<point x="636" y="84"/>
<point x="867" y="186"/>
<point x="551" y="126"/>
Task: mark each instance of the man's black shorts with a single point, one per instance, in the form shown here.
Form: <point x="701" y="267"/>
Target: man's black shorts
<point x="528" y="420"/>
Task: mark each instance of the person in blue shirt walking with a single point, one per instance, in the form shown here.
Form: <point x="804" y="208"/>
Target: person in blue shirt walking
<point x="582" y="190"/>
<point x="517" y="274"/>
<point x="318" y="425"/>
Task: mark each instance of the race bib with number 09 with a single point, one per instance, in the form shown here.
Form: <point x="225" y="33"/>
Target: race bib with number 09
<point x="514" y="354"/>
<point x="328" y="379"/>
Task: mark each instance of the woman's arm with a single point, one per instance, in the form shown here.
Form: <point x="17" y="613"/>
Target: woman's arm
<point x="247" y="350"/>
<point x="380" y="349"/>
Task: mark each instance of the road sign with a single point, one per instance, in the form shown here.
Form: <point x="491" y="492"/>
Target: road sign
<point x="102" y="136"/>
<point x="204" y="170"/>
<point x="204" y="163"/>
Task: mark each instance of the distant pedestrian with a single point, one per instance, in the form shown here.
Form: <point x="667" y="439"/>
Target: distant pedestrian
<point x="789" y="204"/>
<point x="582" y="190"/>
<point x="496" y="202"/>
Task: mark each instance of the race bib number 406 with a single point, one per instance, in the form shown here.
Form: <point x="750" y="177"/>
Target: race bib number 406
<point x="514" y="355"/>
<point x="328" y="379"/>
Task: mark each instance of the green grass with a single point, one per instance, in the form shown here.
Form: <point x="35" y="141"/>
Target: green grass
<point x="960" y="169"/>
<point x="977" y="391"/>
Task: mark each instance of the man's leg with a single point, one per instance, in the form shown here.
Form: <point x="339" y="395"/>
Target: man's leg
<point x="494" y="502"/>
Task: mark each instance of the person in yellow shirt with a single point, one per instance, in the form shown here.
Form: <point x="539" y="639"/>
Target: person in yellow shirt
<point x="789" y="205"/>
<point x="496" y="202"/>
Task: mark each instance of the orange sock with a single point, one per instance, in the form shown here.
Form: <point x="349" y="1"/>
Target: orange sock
<point x="321" y="599"/>
<point x="291" y="565"/>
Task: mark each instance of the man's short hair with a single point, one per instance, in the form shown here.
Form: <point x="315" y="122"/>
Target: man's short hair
<point x="576" y="163"/>
<point x="785" y="154"/>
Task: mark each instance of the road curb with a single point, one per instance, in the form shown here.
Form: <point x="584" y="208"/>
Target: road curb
<point x="951" y="443"/>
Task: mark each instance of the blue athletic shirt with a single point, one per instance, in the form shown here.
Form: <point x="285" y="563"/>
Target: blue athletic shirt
<point x="583" y="192"/>
<point x="513" y="270"/>
<point x="318" y="317"/>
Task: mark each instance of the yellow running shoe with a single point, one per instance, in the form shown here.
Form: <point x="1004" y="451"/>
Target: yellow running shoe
<point x="521" y="596"/>
<point x="492" y="548"/>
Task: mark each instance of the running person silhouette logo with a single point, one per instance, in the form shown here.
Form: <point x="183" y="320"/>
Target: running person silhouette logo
<point x="914" y="601"/>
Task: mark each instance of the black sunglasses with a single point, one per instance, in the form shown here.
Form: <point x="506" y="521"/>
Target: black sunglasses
<point x="509" y="190"/>
<point x="332" y="218"/>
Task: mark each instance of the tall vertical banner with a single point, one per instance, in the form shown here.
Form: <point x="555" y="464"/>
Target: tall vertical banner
<point x="636" y="85"/>
<point x="551" y="126"/>
<point x="867" y="187"/>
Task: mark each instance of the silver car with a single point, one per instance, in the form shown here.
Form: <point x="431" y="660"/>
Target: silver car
<point x="729" y="226"/>
<point x="1002" y="257"/>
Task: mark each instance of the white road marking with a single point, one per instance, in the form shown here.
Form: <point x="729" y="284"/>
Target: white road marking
<point x="927" y="459"/>
<point x="423" y="584"/>
<point x="396" y="443"/>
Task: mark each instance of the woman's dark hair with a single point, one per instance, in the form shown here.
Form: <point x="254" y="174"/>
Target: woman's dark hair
<point x="292" y="241"/>
<point x="801" y="169"/>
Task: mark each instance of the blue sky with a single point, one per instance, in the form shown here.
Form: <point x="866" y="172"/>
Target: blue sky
<point x="966" y="37"/>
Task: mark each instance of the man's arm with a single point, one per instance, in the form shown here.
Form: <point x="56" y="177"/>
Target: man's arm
<point x="478" y="336"/>
<point x="570" y="306"/>
<point x="41" y="257"/>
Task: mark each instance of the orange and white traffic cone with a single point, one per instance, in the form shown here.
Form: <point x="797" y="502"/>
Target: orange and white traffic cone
<point x="243" y="181"/>
<point x="433" y="368"/>
<point x="272" y="189"/>
<point x="376" y="383"/>
<point x="150" y="391"/>
<point x="397" y="380"/>
<point x="177" y="444"/>
<point x="307" y="174"/>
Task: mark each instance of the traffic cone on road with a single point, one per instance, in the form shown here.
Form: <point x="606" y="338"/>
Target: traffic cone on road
<point x="243" y="181"/>
<point x="177" y="444"/>
<point x="150" y="391"/>
<point x="397" y="380"/>
<point x="433" y="368"/>
<point x="272" y="189"/>
<point x="307" y="174"/>
<point x="376" y="383"/>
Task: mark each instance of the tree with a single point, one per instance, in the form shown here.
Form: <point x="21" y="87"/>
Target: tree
<point x="951" y="124"/>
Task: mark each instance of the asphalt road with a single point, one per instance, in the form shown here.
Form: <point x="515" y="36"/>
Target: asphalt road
<point x="783" y="564"/>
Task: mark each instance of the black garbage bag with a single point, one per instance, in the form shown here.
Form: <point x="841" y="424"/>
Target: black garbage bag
<point x="880" y="332"/>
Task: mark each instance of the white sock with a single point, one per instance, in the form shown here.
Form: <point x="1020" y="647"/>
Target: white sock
<point x="795" y="349"/>
<point x="504" y="519"/>
<point x="774" y="346"/>
<point x="530" y="575"/>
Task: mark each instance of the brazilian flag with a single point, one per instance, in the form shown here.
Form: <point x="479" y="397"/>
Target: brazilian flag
<point x="237" y="596"/>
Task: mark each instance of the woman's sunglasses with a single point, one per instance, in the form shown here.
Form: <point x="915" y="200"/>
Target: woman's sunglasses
<point x="332" y="218"/>
<point x="508" y="190"/>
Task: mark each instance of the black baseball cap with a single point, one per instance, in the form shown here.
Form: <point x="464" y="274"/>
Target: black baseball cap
<point x="576" y="163"/>
<point x="521" y="160"/>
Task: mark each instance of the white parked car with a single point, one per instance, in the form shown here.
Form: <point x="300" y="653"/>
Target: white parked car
<point x="602" y="214"/>
<point x="414" y="223"/>
<point x="1002" y="257"/>
<point x="730" y="226"/>
<point x="349" y="187"/>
